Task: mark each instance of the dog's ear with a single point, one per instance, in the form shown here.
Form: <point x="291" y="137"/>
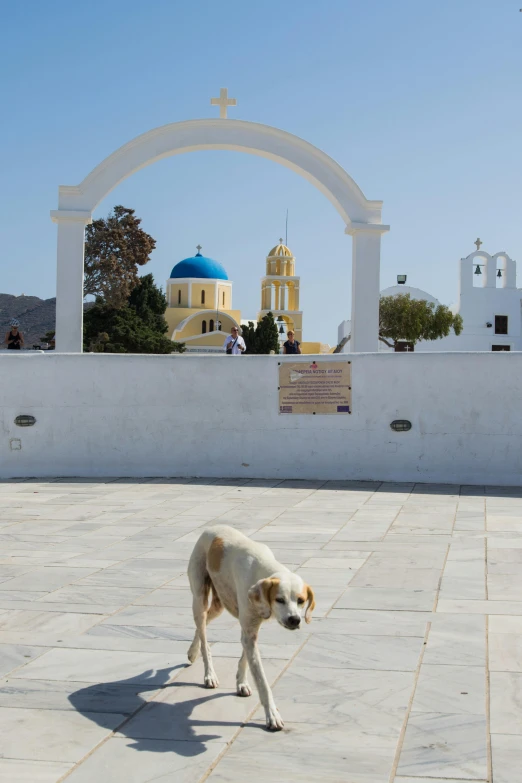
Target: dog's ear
<point x="310" y="606"/>
<point x="259" y="595"/>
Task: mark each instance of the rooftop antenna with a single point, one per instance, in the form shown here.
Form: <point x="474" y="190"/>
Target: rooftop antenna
<point x="286" y="234"/>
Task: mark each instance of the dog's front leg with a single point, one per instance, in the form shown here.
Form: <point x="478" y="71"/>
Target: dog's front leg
<point x="242" y="686"/>
<point x="249" y="642"/>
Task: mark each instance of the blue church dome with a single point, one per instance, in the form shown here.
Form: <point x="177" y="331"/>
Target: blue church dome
<point x="199" y="266"/>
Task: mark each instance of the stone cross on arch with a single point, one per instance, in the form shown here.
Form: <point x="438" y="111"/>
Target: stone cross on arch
<point x="478" y="243"/>
<point x="223" y="102"/>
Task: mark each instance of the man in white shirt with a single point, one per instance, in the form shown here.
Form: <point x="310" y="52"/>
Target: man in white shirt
<point x="234" y="344"/>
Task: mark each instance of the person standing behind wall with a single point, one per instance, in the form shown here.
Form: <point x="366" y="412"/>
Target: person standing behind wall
<point x="14" y="339"/>
<point x="234" y="344"/>
<point x="291" y="345"/>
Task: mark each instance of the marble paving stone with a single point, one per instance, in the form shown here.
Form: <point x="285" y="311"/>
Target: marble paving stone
<point x="464" y="580"/>
<point x="100" y="666"/>
<point x="396" y="577"/>
<point x="386" y="653"/>
<point x="505" y="652"/>
<point x="352" y="563"/>
<point x="444" y="745"/>
<point x="402" y="779"/>
<point x="506" y="751"/>
<point x="130" y="577"/>
<point x="46" y="578"/>
<point x="81" y="594"/>
<point x="506" y="703"/>
<point x="505" y="624"/>
<point x="44" y="735"/>
<point x="306" y="752"/>
<point x="174" y="595"/>
<point x="416" y="558"/>
<point x="46" y="622"/>
<point x="452" y="606"/>
<point x="458" y="689"/>
<point x="176" y="633"/>
<point x="13" y="656"/>
<point x="373" y="623"/>
<point x="20" y="595"/>
<point x="456" y="640"/>
<point x="318" y="577"/>
<point x="386" y="598"/>
<point x="145" y="761"/>
<point x="505" y="587"/>
<point x="155" y="615"/>
<point x="78" y="696"/>
<point x="100" y="642"/>
<point x="25" y="771"/>
<point x="364" y="701"/>
<point x="497" y="556"/>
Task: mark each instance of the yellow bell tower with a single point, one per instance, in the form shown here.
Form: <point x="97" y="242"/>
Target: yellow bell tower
<point x="280" y="292"/>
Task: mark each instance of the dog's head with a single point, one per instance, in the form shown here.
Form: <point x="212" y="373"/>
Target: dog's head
<point x="284" y="598"/>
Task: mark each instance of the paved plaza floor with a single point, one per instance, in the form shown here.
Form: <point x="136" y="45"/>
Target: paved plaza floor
<point x="410" y="672"/>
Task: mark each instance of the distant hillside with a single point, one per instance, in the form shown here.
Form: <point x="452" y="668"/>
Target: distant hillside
<point x="37" y="316"/>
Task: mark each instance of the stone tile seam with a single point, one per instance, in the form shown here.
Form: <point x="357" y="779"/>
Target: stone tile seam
<point x="488" y="702"/>
<point x="400" y="741"/>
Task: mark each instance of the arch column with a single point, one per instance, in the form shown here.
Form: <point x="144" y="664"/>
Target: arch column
<point x="366" y="268"/>
<point x="69" y="278"/>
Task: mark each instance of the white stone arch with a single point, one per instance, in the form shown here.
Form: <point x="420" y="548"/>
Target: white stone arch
<point x="362" y="217"/>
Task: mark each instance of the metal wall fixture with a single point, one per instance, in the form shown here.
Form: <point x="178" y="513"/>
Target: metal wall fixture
<point x="25" y="420"/>
<point x="401" y="425"/>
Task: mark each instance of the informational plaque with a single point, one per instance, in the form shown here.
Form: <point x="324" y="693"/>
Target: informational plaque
<point x="315" y="388"/>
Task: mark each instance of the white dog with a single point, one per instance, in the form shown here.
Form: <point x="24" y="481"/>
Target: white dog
<point x="245" y="578"/>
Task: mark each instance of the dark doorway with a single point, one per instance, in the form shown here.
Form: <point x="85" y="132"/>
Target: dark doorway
<point x="500" y="347"/>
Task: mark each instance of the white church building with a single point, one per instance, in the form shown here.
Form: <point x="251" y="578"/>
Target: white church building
<point x="489" y="303"/>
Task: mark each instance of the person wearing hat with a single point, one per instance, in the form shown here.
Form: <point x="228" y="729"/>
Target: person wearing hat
<point x="14" y="338"/>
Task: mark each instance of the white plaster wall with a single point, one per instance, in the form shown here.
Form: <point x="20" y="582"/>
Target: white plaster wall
<point x="122" y="415"/>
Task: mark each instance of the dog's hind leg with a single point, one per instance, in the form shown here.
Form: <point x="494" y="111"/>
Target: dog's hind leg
<point x="215" y="609"/>
<point x="200" y="609"/>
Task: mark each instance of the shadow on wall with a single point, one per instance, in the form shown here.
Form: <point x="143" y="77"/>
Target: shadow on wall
<point x="157" y="720"/>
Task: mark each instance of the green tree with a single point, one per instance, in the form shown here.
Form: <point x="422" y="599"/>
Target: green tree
<point x="267" y="336"/>
<point x="248" y="333"/>
<point x="412" y="320"/>
<point x="115" y="247"/>
<point x="139" y="326"/>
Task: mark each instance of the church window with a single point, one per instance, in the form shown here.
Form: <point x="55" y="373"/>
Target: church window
<point x="223" y="297"/>
<point x="202" y="297"/>
<point x="211" y="325"/>
<point x="500" y="347"/>
<point x="203" y="327"/>
<point x="501" y="324"/>
<point x="179" y="296"/>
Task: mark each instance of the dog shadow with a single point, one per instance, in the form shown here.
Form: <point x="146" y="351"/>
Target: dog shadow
<point x="158" y="727"/>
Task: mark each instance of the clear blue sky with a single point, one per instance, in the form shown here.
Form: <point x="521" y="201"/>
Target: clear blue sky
<point x="420" y="101"/>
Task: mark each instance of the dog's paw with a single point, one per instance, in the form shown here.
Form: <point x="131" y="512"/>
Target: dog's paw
<point x="211" y="680"/>
<point x="244" y="689"/>
<point x="274" y="722"/>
